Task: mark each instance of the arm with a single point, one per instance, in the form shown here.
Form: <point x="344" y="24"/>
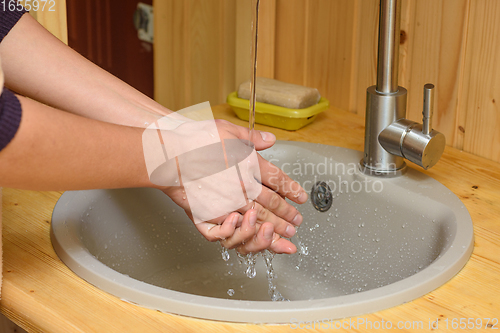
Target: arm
<point x="54" y="150"/>
<point x="37" y="65"/>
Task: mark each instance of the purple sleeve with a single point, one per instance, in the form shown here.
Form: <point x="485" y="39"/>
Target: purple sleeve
<point x="10" y="117"/>
<point x="8" y="17"/>
<point x="10" y="108"/>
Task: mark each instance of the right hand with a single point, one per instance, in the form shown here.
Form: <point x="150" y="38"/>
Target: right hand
<point x="257" y="225"/>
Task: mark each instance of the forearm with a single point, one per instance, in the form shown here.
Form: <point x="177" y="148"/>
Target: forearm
<point x="56" y="150"/>
<point x="38" y="65"/>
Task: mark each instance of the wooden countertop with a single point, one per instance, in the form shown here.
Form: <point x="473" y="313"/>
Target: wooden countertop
<point x="41" y="294"/>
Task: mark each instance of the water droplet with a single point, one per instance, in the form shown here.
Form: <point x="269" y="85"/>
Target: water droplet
<point x="225" y="254"/>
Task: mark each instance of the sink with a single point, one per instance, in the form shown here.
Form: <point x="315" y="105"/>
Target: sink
<point x="382" y="243"/>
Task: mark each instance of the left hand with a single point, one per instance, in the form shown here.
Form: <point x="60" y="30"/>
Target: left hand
<point x="253" y="230"/>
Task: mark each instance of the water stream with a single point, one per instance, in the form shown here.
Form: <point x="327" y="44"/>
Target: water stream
<point x="255" y="33"/>
<point x="249" y="260"/>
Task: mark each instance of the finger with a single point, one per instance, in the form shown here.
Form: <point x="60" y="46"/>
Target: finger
<point x="278" y="245"/>
<point x="281" y="245"/>
<point x="278" y="181"/>
<point x="215" y="232"/>
<point x="276" y="204"/>
<point x="260" y="241"/>
<point x="281" y="226"/>
<point x="244" y="233"/>
<point x="262" y="140"/>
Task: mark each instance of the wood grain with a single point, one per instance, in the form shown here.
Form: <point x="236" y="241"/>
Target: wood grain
<point x="243" y="37"/>
<point x="433" y="53"/>
<point x="329" y="50"/>
<point x="267" y="39"/>
<point x="481" y="93"/>
<point x="291" y="41"/>
<point x="194" y="51"/>
<point x="364" y="67"/>
<point x="42" y="295"/>
<point x="332" y="45"/>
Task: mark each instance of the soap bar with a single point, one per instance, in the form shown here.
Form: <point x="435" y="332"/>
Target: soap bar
<point x="279" y="93"/>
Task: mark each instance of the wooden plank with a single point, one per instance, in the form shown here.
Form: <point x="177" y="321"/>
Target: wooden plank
<point x="194" y="51"/>
<point x="291" y="32"/>
<point x="328" y="49"/>
<point x="227" y="59"/>
<point x="432" y="52"/>
<point x="365" y="42"/>
<point x="314" y="46"/>
<point x="202" y="68"/>
<point x="243" y="41"/>
<point x="480" y="92"/>
<point x="169" y="63"/>
<point x="267" y="39"/>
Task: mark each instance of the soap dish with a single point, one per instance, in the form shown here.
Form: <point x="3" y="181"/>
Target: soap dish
<point x="277" y="116"/>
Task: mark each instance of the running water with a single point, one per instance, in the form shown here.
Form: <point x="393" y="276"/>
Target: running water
<point x="273" y="292"/>
<point x="249" y="260"/>
<point x="251" y="110"/>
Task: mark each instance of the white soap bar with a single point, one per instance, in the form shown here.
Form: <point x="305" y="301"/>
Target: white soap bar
<point x="280" y="93"/>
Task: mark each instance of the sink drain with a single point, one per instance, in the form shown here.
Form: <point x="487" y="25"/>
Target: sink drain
<point x="321" y="196"/>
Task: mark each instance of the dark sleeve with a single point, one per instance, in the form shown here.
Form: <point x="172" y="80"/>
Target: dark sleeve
<point x="10" y="108"/>
<point x="8" y="18"/>
<point x="10" y="117"/>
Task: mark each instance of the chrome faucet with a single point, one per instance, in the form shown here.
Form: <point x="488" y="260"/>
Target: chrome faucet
<point x="389" y="137"/>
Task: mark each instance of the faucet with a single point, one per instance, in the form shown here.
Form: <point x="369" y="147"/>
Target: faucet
<point x="389" y="137"/>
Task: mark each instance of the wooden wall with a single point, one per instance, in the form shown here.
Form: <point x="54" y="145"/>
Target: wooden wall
<point x="202" y="52"/>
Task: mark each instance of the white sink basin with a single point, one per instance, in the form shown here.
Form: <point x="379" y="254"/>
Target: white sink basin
<point x="382" y="243"/>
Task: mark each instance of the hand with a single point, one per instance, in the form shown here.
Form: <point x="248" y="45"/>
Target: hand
<point x="252" y="230"/>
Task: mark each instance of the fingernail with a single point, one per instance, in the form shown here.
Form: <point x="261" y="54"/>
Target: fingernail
<point x="234" y="220"/>
<point x="303" y="197"/>
<point x="297" y="220"/>
<point x="289" y="231"/>
<point x="252" y="218"/>
<point x="268" y="233"/>
<point x="268" y="137"/>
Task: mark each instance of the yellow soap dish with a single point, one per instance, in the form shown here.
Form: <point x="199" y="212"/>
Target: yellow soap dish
<point x="277" y="116"/>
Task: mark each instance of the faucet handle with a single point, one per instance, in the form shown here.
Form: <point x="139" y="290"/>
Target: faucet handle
<point x="418" y="143"/>
<point x="428" y="108"/>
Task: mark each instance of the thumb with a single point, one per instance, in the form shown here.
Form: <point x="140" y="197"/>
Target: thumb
<point x="263" y="140"/>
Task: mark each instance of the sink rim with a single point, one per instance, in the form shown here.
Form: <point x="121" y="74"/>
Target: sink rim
<point x="72" y="251"/>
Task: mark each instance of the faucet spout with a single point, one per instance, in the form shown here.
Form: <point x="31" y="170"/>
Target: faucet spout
<point x="389" y="137"/>
<point x="388" y="46"/>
